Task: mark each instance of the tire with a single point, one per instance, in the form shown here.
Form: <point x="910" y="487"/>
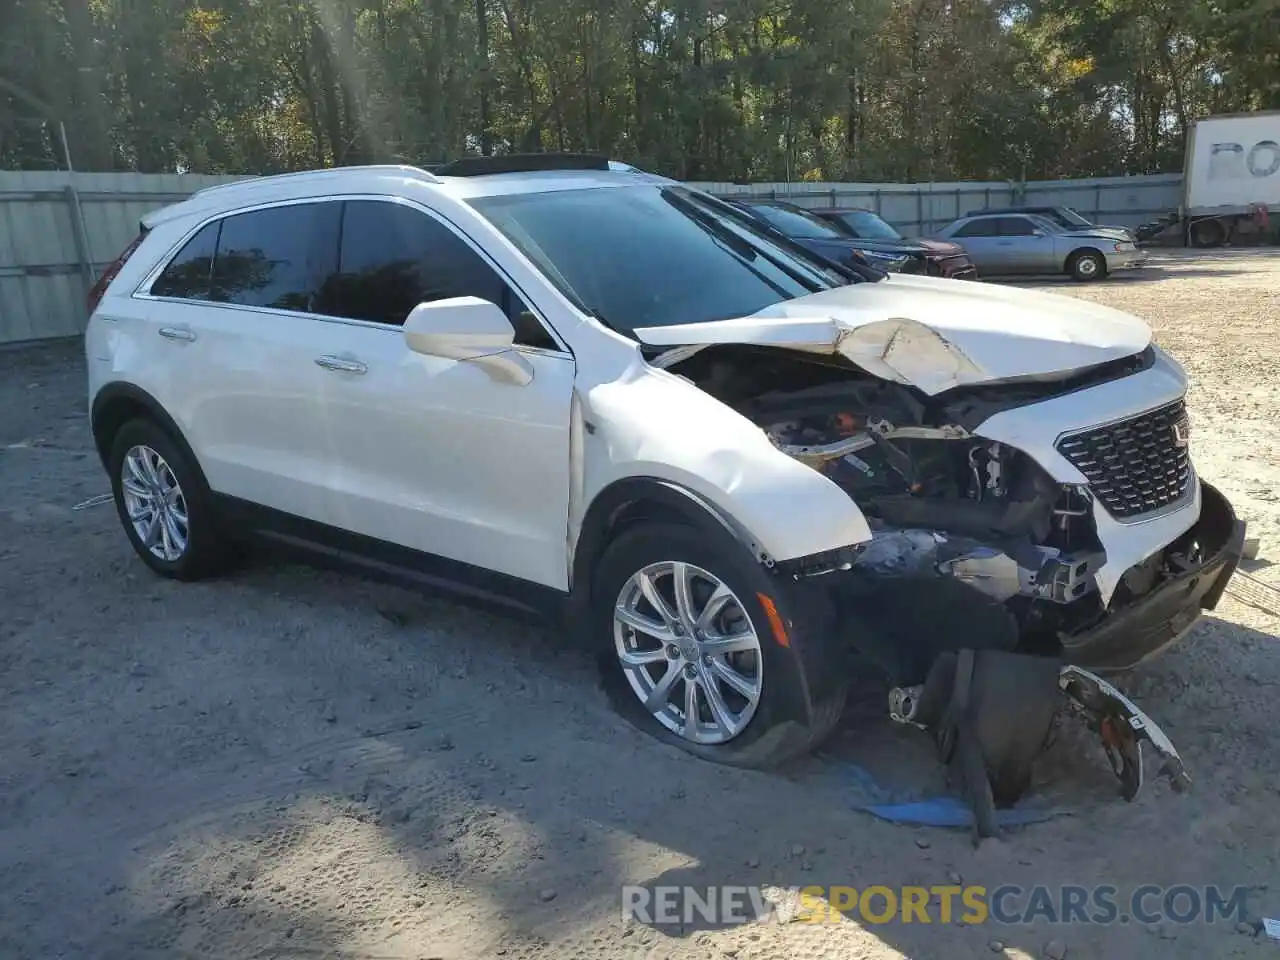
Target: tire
<point x="1208" y="233"/>
<point x="1086" y="266"/>
<point x="156" y="463"/>
<point x="787" y="720"/>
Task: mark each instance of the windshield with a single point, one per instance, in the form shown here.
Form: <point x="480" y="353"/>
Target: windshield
<point x="1049" y="224"/>
<point x="870" y="226"/>
<point x="796" y="223"/>
<point x="647" y="256"/>
<point x="1071" y="218"/>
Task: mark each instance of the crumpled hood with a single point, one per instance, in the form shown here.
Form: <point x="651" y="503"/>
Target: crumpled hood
<point x="931" y="333"/>
<point x="1106" y="233"/>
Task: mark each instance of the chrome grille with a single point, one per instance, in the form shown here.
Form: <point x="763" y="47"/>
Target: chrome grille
<point x="1135" y="466"/>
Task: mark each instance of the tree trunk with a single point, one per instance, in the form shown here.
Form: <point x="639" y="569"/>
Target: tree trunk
<point x="87" y="125"/>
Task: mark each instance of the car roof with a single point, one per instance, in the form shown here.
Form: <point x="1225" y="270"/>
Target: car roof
<point x="393" y="180"/>
<point x="987" y="211"/>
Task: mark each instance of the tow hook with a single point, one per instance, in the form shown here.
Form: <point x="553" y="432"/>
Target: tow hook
<point x="1123" y="728"/>
<point x="990" y="714"/>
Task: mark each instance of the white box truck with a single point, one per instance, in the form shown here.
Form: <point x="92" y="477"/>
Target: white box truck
<point x="1232" y="172"/>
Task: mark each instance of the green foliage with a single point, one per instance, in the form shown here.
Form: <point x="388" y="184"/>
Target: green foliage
<point x="700" y="89"/>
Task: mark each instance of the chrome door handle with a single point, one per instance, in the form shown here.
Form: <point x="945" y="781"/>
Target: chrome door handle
<point x="176" y="333"/>
<point x="341" y="365"/>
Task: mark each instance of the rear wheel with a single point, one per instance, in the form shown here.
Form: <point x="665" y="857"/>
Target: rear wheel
<point x="689" y="651"/>
<point x="1208" y="233"/>
<point x="163" y="503"/>
<point x="1087" y="265"/>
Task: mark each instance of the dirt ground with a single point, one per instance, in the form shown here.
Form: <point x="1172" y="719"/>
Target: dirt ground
<point x="289" y="763"/>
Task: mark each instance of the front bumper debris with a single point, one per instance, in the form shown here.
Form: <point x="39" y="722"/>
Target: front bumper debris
<point x="990" y="714"/>
<point x="1123" y="728"/>
<point x="1144" y="628"/>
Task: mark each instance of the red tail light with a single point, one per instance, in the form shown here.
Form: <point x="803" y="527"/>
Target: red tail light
<point x="109" y="274"/>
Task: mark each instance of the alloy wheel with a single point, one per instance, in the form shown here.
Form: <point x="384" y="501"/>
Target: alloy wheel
<point x="689" y="651"/>
<point x="154" y="502"/>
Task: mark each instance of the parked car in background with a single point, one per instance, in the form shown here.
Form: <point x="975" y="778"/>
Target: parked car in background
<point x="815" y="234"/>
<point x="942" y="259"/>
<point x="1002" y="243"/>
<point x="1069" y="218"/>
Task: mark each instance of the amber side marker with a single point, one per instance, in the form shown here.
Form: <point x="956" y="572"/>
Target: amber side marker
<point x="775" y="620"/>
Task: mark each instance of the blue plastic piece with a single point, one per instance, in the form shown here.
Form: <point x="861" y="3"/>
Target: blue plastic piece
<point x="944" y="811"/>
<point x="952" y="812"/>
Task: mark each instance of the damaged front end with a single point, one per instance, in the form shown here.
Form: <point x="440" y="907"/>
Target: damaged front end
<point x="976" y="548"/>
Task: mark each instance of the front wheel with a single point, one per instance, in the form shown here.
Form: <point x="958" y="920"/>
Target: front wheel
<point x="1087" y="265"/>
<point x="690" y="650"/>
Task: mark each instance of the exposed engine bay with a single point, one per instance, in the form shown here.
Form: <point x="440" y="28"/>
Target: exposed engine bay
<point x="977" y="558"/>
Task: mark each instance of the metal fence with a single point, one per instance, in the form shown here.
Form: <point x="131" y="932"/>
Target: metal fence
<point x="918" y="209"/>
<point x="58" y="230"/>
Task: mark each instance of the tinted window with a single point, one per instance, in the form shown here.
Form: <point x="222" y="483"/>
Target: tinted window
<point x="864" y="223"/>
<point x="645" y="256"/>
<point x="977" y="228"/>
<point x="187" y="275"/>
<point x="275" y="257"/>
<point x="796" y="223"/>
<point x="1015" y="227"/>
<point x="394" y="257"/>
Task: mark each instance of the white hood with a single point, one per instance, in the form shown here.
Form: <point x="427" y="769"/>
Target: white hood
<point x="931" y="333"/>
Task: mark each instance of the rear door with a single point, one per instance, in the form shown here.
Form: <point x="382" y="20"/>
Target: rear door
<point x="233" y="309"/>
<point x="979" y="241"/>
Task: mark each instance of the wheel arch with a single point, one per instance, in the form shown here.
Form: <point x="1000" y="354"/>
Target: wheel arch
<point x="1069" y="264"/>
<point x="632" y="500"/>
<point x="116" y="404"/>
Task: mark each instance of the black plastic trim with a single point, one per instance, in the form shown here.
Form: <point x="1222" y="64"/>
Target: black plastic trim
<point x="340" y="549"/>
<point x="1140" y="631"/>
<point x="519" y="163"/>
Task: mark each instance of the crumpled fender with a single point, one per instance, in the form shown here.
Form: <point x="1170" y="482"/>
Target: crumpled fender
<point x="652" y="423"/>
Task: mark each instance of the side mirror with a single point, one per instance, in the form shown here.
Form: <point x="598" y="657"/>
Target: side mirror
<point x="471" y="329"/>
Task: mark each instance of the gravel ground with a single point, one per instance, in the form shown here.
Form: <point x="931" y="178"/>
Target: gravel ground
<point x="292" y="763"/>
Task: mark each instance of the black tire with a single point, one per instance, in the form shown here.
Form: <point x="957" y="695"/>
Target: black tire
<point x="1086" y="266"/>
<point x="796" y="708"/>
<point x="1208" y="233"/>
<point x="206" y="553"/>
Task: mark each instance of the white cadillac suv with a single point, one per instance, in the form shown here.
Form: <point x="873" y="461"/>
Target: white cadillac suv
<point x="586" y="391"/>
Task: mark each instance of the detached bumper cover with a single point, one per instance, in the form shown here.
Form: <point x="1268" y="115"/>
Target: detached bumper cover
<point x="1147" y="626"/>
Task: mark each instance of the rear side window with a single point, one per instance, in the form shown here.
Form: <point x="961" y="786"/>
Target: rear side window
<point x="977" y="228"/>
<point x="275" y="257"/>
<point x="187" y="275"/>
<point x="393" y="257"/>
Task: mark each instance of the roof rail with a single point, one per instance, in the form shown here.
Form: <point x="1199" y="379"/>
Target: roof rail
<point x="323" y="172"/>
<point x="520" y="163"/>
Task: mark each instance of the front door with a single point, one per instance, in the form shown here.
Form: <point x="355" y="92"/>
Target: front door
<point x="426" y="452"/>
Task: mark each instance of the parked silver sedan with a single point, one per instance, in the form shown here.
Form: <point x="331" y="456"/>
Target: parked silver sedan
<point x="1004" y="243"/>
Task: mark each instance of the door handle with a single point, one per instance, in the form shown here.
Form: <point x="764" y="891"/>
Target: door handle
<point x="176" y="333"/>
<point x="341" y="365"/>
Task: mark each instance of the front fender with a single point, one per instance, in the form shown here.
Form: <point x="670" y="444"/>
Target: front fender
<point x="650" y="423"/>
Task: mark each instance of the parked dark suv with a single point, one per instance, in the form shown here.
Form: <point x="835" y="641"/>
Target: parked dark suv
<point x="827" y="240"/>
<point x="941" y="257"/>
